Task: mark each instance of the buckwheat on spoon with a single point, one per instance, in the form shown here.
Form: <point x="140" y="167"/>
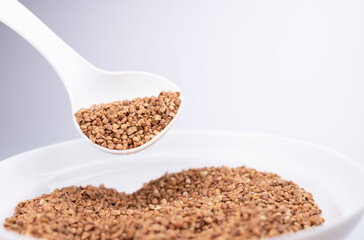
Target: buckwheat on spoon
<point x="123" y="125"/>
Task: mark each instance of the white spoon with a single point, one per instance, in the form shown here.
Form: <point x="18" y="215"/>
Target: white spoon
<point x="86" y="84"/>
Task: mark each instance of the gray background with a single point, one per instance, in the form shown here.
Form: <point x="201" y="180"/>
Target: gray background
<point x="293" y="68"/>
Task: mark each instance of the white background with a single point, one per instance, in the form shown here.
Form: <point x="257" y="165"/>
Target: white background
<point x="292" y="68"/>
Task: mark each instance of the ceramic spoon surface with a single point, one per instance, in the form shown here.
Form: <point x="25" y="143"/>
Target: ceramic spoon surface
<point x="86" y="84"/>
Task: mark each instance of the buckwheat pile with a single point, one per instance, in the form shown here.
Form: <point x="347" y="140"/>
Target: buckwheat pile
<point x="207" y="203"/>
<point x="128" y="124"/>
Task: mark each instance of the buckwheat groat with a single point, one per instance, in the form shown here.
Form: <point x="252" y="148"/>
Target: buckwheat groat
<point x="207" y="203"/>
<point x="128" y="124"/>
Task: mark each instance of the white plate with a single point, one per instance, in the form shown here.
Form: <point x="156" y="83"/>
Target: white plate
<point x="335" y="180"/>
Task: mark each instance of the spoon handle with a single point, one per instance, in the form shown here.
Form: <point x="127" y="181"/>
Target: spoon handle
<point x="61" y="56"/>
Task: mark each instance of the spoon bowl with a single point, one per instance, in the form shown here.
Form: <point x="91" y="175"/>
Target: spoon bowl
<point x="86" y="84"/>
<point x="105" y="87"/>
